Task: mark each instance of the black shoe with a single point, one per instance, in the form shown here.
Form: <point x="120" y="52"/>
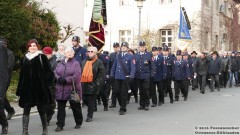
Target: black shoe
<point x="4" y="130"/>
<point x="141" y="108"/>
<point x="89" y="119"/>
<point x="193" y="88"/>
<point x="160" y="103"/>
<point x="10" y="115"/>
<point x="202" y="92"/>
<point x="122" y="113"/>
<point x="176" y="99"/>
<point x="77" y="126"/>
<point x="153" y="105"/>
<point x="59" y="129"/>
<point x="171" y="101"/>
<point x="105" y="108"/>
<point x="146" y="108"/>
<point x="185" y="98"/>
<point x="112" y="106"/>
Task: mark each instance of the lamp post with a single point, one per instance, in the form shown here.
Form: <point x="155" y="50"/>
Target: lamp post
<point x="140" y="6"/>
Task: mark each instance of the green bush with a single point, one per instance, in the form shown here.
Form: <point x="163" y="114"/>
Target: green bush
<point x="11" y="93"/>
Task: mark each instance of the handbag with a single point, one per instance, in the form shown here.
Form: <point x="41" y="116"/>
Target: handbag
<point x="75" y="98"/>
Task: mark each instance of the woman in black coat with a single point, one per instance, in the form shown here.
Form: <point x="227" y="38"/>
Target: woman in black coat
<point x="36" y="77"/>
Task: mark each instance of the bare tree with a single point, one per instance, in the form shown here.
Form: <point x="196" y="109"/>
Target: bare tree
<point x="69" y="31"/>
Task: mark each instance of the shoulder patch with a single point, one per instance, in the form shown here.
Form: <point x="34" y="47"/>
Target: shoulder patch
<point x="134" y="61"/>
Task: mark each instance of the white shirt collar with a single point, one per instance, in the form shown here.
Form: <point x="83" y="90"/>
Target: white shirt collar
<point x="30" y="56"/>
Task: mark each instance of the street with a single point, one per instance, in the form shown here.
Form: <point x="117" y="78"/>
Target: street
<point x="180" y="118"/>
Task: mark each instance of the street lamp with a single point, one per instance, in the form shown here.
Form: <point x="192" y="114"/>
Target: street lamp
<point x="140" y="6"/>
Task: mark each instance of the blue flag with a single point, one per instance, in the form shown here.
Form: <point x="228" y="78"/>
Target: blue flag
<point x="183" y="28"/>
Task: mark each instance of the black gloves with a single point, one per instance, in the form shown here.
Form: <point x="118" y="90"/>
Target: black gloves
<point x="62" y="80"/>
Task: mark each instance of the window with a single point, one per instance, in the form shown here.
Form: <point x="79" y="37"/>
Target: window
<point x="166" y="1"/>
<point x="125" y="36"/>
<point x="166" y="37"/>
<point x="126" y="2"/>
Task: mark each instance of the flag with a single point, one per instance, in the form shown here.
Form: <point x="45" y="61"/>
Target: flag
<point x="184" y="33"/>
<point x="96" y="30"/>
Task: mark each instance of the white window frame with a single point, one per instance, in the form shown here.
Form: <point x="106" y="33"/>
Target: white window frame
<point x="166" y="36"/>
<point x="126" y="36"/>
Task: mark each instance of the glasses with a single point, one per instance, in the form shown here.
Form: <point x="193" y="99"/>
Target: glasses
<point x="90" y="51"/>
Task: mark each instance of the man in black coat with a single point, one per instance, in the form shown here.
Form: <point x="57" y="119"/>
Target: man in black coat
<point x="3" y="84"/>
<point x="11" y="63"/>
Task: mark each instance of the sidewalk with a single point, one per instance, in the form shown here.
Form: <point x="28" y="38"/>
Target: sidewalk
<point x="19" y="110"/>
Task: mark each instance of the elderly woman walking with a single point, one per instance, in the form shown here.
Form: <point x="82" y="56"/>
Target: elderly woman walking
<point x="68" y="75"/>
<point x="92" y="79"/>
<point x="36" y="77"/>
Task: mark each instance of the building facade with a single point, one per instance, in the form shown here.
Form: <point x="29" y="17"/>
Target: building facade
<point x="210" y="21"/>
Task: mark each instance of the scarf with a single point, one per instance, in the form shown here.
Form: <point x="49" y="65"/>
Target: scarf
<point x="87" y="75"/>
<point x="30" y="56"/>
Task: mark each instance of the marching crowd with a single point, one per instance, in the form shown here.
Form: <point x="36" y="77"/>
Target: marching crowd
<point x="84" y="77"/>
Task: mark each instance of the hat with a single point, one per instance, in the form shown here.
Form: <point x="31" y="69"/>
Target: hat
<point x="165" y="48"/>
<point x="214" y="52"/>
<point x="124" y="44"/>
<point x="185" y="54"/>
<point x="179" y="52"/>
<point x="154" y="48"/>
<point x="47" y="50"/>
<point x="116" y="44"/>
<point x="159" y="48"/>
<point x="76" y="38"/>
<point x="194" y="52"/>
<point x="105" y="52"/>
<point x="142" y="43"/>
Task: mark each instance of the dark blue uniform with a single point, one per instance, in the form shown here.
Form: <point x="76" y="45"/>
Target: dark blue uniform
<point x="157" y="81"/>
<point x="167" y="75"/>
<point x="123" y="71"/>
<point x="112" y="81"/>
<point x="80" y="54"/>
<point x="181" y="73"/>
<point x="145" y="69"/>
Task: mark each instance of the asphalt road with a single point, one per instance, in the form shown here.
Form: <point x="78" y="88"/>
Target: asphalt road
<point x="213" y="109"/>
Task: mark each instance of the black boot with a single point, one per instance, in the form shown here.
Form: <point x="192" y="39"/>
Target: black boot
<point x="4" y="130"/>
<point x="44" y="124"/>
<point x="25" y="121"/>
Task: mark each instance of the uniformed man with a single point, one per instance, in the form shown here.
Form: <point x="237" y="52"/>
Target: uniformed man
<point x="123" y="71"/>
<point x="104" y="88"/>
<point x="112" y="58"/>
<point x="157" y="80"/>
<point x="145" y="70"/>
<point x="167" y="71"/>
<point x="194" y="80"/>
<point x="187" y="58"/>
<point x="80" y="52"/>
<point x="181" y="75"/>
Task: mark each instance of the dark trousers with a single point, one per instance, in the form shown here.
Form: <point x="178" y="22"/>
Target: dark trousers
<point x="89" y="100"/>
<point x="202" y="82"/>
<point x="223" y="79"/>
<point x="7" y="106"/>
<point x="134" y="90"/>
<point x="195" y="83"/>
<point x="181" y="85"/>
<point x="40" y="108"/>
<point x="103" y="95"/>
<point x="121" y="88"/>
<point x="76" y="109"/>
<point x="113" y="97"/>
<point x="168" y="88"/>
<point x="214" y="78"/>
<point x="153" y="93"/>
<point x="143" y="85"/>
<point x="3" y="118"/>
<point x="49" y="109"/>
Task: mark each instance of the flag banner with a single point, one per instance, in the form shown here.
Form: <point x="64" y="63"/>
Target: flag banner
<point x="104" y="12"/>
<point x="96" y="30"/>
<point x="186" y="18"/>
<point x="183" y="28"/>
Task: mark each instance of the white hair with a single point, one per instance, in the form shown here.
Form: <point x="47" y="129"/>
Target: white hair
<point x="92" y="48"/>
<point x="69" y="49"/>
